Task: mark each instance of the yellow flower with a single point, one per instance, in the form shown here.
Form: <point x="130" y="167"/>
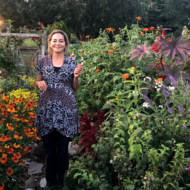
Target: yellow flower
<point x="132" y="68"/>
<point x="116" y="98"/>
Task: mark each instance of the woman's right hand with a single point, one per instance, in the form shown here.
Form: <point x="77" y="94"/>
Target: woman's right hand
<point x="41" y="85"/>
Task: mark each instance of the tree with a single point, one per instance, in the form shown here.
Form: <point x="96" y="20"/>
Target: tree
<point x="30" y="12"/>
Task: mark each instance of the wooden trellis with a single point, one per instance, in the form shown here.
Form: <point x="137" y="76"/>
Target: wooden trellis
<point x="37" y="52"/>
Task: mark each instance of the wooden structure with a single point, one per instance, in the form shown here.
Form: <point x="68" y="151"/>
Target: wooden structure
<point x="37" y="52"/>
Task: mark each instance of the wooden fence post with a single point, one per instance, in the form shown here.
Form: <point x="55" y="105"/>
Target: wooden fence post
<point x="44" y="43"/>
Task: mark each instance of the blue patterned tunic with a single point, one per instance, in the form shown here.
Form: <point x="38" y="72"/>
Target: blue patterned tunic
<point x="57" y="107"/>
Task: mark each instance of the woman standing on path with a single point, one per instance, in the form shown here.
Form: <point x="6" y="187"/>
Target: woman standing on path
<point x="57" y="114"/>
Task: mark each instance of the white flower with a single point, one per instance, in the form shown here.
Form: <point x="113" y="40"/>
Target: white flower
<point x="135" y="93"/>
<point x="158" y="89"/>
<point x="171" y="88"/>
<point x="146" y="105"/>
<point x="114" y="158"/>
<point x="161" y="106"/>
<point x="111" y="161"/>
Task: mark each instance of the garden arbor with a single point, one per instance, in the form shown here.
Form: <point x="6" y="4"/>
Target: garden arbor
<point x="37" y="52"/>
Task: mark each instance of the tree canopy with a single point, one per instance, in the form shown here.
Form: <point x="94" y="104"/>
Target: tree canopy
<point x="88" y="16"/>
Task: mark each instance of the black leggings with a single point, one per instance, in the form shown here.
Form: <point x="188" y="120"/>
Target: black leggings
<point x="57" y="161"/>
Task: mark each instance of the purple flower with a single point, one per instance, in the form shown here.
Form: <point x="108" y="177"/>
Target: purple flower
<point x="189" y="158"/>
<point x="165" y="86"/>
<point x="184" y="127"/>
<point x="7" y="28"/>
<point x="122" y="112"/>
<point x="111" y="117"/>
<point x="180" y="115"/>
<point x="170" y="110"/>
<point x="187" y="169"/>
<point x="185" y="93"/>
<point x="165" y="92"/>
<point x="186" y="139"/>
<point x="20" y="65"/>
<point x="167" y="102"/>
<point x="172" y="80"/>
<point x="146" y="98"/>
<point x="108" y="104"/>
<point x="180" y="108"/>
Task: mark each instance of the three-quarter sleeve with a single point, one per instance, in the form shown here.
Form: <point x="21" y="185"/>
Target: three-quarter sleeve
<point x="39" y="67"/>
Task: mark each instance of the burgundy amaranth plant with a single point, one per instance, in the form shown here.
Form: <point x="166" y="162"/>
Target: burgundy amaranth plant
<point x="89" y="128"/>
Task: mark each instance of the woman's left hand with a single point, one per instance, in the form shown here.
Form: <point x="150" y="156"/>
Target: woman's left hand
<point x="78" y="71"/>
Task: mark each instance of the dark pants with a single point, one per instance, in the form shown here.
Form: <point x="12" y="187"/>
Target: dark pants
<point x="57" y="161"/>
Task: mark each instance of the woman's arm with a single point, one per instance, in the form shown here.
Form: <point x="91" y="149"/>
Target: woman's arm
<point x="77" y="73"/>
<point x="76" y="84"/>
<point x="40" y="83"/>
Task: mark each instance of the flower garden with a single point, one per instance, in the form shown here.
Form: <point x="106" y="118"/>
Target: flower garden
<point x="134" y="112"/>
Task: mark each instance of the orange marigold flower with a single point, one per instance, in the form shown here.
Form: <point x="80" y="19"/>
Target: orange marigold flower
<point x="16" y="145"/>
<point x="10" y="150"/>
<point x="88" y="36"/>
<point x="34" y="129"/>
<point x="159" y="79"/>
<point x="17" y="155"/>
<point x="110" y="51"/>
<point x="22" y="99"/>
<point x="17" y="136"/>
<point x="7" y="138"/>
<point x="138" y="18"/>
<point x="15" y="159"/>
<point x="3" y="138"/>
<point x="126" y="76"/>
<point x="142" y="33"/>
<point x="9" y="171"/>
<point x="22" y="162"/>
<point x="97" y="70"/>
<point x="27" y="130"/>
<point x="152" y="28"/>
<point x="110" y="46"/>
<point x="80" y="54"/>
<point x="2" y="186"/>
<point x="115" y="48"/>
<point x="83" y="42"/>
<point x="146" y="29"/>
<point x="3" y="160"/>
<point x="117" y="36"/>
<point x="93" y="39"/>
<point x="30" y="104"/>
<point x="10" y="126"/>
<point x="5" y="97"/>
<point x="110" y="29"/>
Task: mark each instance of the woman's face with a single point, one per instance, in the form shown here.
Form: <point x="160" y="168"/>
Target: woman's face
<point x="57" y="43"/>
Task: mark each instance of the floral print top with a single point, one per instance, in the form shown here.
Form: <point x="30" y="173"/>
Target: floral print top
<point x="57" y="109"/>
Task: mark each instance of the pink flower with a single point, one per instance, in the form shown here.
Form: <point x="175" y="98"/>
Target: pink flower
<point x="41" y="24"/>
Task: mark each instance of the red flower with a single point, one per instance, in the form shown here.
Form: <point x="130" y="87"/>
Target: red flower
<point x="10" y="150"/>
<point x="39" y="40"/>
<point x="33" y="39"/>
<point x="9" y="171"/>
<point x="1" y="120"/>
<point x="146" y="29"/>
<point x="97" y="70"/>
<point x="110" y="51"/>
<point x="138" y="18"/>
<point x="152" y="28"/>
<point x="41" y="24"/>
<point x="155" y="47"/>
<point x="40" y="30"/>
<point x="2" y="186"/>
<point x="3" y="160"/>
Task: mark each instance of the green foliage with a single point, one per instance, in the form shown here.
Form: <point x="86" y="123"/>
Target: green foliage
<point x="59" y="25"/>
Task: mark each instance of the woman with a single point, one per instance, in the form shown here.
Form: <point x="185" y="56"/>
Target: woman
<point x="57" y="114"/>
